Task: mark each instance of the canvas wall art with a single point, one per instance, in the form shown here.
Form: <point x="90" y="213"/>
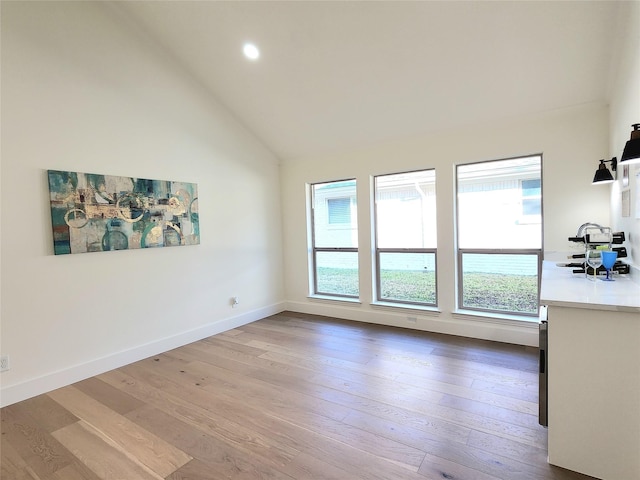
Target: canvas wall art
<point x="96" y="213"/>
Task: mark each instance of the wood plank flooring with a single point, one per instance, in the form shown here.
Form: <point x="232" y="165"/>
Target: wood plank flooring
<point x="293" y="396"/>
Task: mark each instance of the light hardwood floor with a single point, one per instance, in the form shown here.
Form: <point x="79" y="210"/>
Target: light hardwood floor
<point x="293" y="396"/>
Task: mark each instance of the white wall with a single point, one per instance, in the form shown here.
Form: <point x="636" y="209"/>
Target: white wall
<point x="624" y="111"/>
<point x="83" y="90"/>
<point x="571" y="142"/>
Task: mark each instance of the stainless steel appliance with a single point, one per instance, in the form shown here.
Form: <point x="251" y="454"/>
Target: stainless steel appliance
<point x="543" y="396"/>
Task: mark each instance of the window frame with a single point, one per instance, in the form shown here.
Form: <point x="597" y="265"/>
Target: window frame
<point x="315" y="249"/>
<point x="460" y="252"/>
<point x="378" y="250"/>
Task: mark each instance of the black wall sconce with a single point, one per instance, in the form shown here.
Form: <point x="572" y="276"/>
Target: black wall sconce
<point x="631" y="153"/>
<point x="603" y="175"/>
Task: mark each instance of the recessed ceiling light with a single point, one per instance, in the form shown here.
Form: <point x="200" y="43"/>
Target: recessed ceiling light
<point x="251" y="51"/>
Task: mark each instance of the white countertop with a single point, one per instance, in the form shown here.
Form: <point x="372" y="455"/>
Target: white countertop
<point x="561" y="287"/>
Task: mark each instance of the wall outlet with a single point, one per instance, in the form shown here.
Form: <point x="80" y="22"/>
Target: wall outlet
<point x="412" y="319"/>
<point x="4" y="363"/>
<point x="235" y="301"/>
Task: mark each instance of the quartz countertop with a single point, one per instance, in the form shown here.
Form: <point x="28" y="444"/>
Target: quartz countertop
<point x="561" y="287"/>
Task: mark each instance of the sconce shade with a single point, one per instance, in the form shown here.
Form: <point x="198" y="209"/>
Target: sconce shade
<point x="631" y="153"/>
<point x="603" y="175"/>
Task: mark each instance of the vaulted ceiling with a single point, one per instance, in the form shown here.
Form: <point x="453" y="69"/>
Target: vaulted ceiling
<point x="341" y="75"/>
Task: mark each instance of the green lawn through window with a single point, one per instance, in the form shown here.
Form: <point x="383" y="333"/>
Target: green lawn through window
<point x="487" y="291"/>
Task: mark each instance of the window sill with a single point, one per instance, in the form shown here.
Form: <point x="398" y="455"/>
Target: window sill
<point x="500" y="318"/>
<point x="330" y="298"/>
<point x="404" y="307"/>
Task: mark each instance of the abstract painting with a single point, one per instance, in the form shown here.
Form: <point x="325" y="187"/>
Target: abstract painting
<point x="96" y="213"/>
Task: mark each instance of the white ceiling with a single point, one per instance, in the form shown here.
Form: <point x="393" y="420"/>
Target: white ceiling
<point x="341" y="75"/>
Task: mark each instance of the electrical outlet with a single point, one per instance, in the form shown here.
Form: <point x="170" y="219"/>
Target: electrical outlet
<point x="412" y="319"/>
<point x="4" y="363"/>
<point x="235" y="301"/>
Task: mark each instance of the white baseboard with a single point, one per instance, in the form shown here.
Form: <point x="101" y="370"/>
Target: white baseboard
<point x="484" y="328"/>
<point x="525" y="334"/>
<point x="36" y="386"/>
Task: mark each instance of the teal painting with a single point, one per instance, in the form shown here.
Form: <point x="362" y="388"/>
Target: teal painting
<point x="97" y="213"/>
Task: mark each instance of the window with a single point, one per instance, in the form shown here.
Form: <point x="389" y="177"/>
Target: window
<point x="500" y="235"/>
<point x="334" y="239"/>
<point x="531" y="195"/>
<point x="339" y="210"/>
<point x="405" y="227"/>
